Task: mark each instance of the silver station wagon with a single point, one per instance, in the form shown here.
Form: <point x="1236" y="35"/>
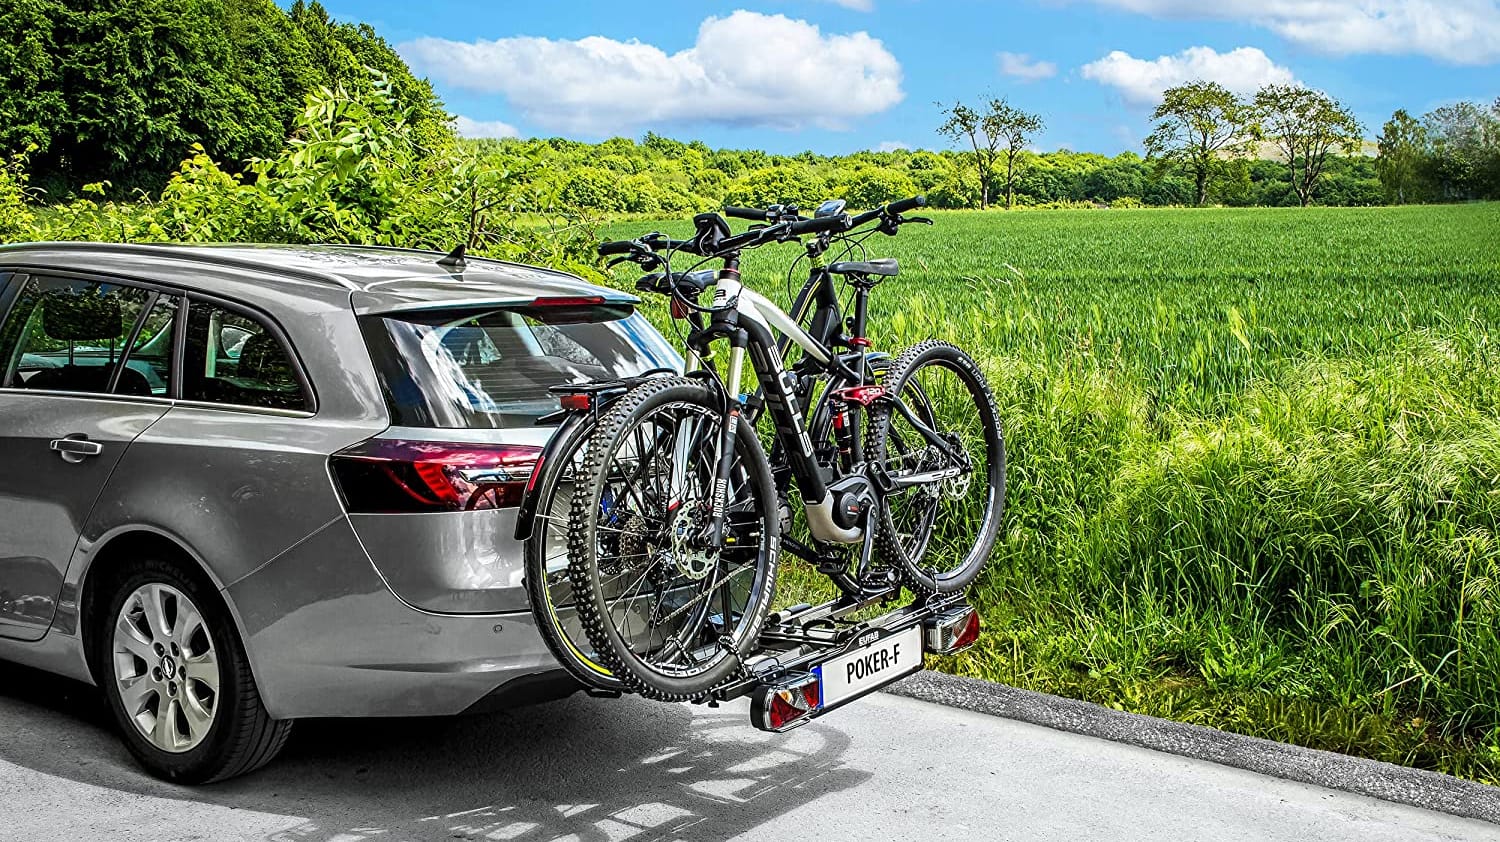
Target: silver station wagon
<point x="244" y="485"/>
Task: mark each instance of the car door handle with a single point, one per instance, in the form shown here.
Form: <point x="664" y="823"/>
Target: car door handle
<point x="74" y="449"/>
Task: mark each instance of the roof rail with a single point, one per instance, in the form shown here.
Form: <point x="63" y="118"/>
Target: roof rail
<point x="202" y="253"/>
<point x="467" y="256"/>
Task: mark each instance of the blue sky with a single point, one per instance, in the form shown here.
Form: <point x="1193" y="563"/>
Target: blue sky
<point x="835" y="76"/>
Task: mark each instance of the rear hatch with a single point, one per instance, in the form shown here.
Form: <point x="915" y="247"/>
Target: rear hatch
<point x="434" y="497"/>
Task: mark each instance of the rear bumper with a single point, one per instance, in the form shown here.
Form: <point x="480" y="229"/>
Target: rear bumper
<point x="327" y="638"/>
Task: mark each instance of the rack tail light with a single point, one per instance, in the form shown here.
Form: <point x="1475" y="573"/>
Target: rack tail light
<point x="786" y="704"/>
<point x="952" y="631"/>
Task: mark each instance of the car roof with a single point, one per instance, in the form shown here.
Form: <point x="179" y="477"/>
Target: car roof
<point x="378" y="279"/>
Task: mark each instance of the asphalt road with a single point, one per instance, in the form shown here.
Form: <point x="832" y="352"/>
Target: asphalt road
<point x="886" y="768"/>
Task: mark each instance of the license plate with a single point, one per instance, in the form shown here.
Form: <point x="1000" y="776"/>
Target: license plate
<point x="879" y="662"/>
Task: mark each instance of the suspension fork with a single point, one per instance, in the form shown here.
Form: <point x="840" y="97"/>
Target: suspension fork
<point x="726" y="324"/>
<point x="724" y="463"/>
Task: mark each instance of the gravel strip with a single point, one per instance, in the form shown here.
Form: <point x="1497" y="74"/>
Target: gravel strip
<point x="1386" y="781"/>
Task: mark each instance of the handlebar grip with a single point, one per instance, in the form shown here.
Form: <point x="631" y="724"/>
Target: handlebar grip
<point x="617" y="247"/>
<point x="906" y="204"/>
<point x="818" y="225"/>
<point x="753" y="214"/>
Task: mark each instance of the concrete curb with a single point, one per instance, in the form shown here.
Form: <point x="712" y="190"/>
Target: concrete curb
<point x="1386" y="781"/>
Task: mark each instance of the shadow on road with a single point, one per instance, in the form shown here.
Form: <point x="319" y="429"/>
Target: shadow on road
<point x="580" y="768"/>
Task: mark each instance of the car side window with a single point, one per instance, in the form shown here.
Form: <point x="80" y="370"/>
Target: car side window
<point x="66" y="335"/>
<point x="150" y="355"/>
<point x="232" y="358"/>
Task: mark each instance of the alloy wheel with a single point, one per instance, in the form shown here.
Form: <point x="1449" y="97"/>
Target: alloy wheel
<point x="166" y="668"/>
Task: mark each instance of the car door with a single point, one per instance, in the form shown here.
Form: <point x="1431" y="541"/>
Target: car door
<point x="71" y="400"/>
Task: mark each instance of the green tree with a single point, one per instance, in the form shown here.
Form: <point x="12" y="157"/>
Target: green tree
<point x="788" y="184"/>
<point x="120" y="90"/>
<point x="31" y="95"/>
<point x="593" y="188"/>
<point x="345" y="54"/>
<point x="1403" y="154"/>
<point x="664" y="146"/>
<point x="1200" y="127"/>
<point x="1306" y="125"/>
<point x="870" y="187"/>
<point x="142" y="81"/>
<point x="1465" y="146"/>
<point x="1000" y="130"/>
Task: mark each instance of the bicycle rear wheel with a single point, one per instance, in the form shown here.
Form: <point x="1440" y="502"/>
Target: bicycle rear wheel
<point x="946" y="458"/>
<point x="548" y="585"/>
<point x="671" y="616"/>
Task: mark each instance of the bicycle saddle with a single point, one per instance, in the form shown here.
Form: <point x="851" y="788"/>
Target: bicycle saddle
<point x="886" y="266"/>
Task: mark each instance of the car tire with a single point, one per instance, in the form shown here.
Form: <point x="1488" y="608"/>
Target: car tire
<point x="177" y="680"/>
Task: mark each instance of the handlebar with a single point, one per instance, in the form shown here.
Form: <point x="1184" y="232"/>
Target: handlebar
<point x="906" y="204"/>
<point x="818" y="225"/>
<point x="752" y="214"/>
<point x="618" y="247"/>
<point x="891" y="213"/>
<point x="781" y="227"/>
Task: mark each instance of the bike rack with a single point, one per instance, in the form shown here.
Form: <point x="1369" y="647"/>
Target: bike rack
<point x="796" y="639"/>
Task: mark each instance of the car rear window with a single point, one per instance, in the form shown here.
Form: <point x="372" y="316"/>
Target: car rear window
<point x="491" y="368"/>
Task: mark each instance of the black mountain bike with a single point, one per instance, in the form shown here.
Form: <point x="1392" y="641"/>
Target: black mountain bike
<point x="818" y="307"/>
<point x="674" y="526"/>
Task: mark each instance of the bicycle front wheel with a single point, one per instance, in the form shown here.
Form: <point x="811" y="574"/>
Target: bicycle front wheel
<point x="671" y="613"/>
<point x="945" y="457"/>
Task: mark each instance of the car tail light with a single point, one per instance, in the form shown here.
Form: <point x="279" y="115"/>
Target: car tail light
<point x="568" y="301"/>
<point x="399" y="475"/>
<point x="787" y="704"/>
<point x="952" y="631"/>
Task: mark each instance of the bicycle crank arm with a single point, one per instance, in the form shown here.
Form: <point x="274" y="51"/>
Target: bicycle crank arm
<point x="867" y="545"/>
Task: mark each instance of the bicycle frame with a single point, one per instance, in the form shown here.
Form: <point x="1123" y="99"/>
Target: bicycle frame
<point x="818" y="297"/>
<point x="750" y="322"/>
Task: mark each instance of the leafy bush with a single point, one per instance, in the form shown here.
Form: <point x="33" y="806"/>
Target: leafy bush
<point x="787" y="184"/>
<point x="121" y="90"/>
<point x="353" y="171"/>
<point x="593" y="188"/>
<point x="869" y="187"/>
<point x="16" y="217"/>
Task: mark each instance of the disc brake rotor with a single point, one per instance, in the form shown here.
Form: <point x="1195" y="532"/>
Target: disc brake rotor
<point x="693" y="562"/>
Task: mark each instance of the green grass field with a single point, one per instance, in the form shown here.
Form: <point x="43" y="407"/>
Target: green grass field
<point x="1254" y="461"/>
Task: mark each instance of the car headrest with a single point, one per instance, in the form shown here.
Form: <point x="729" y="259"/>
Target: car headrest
<point x="262" y="359"/>
<point x="72" y="317"/>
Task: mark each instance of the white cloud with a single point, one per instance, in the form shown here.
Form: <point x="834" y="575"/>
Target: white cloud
<point x="1022" y="67"/>
<point x="891" y="146"/>
<point x="744" y="69"/>
<point x="483" y="128"/>
<point x="1457" y="31"/>
<point x="1141" y="81"/>
<point x="856" y="5"/>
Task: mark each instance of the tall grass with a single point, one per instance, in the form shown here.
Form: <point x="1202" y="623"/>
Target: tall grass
<point x="1254" y="462"/>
